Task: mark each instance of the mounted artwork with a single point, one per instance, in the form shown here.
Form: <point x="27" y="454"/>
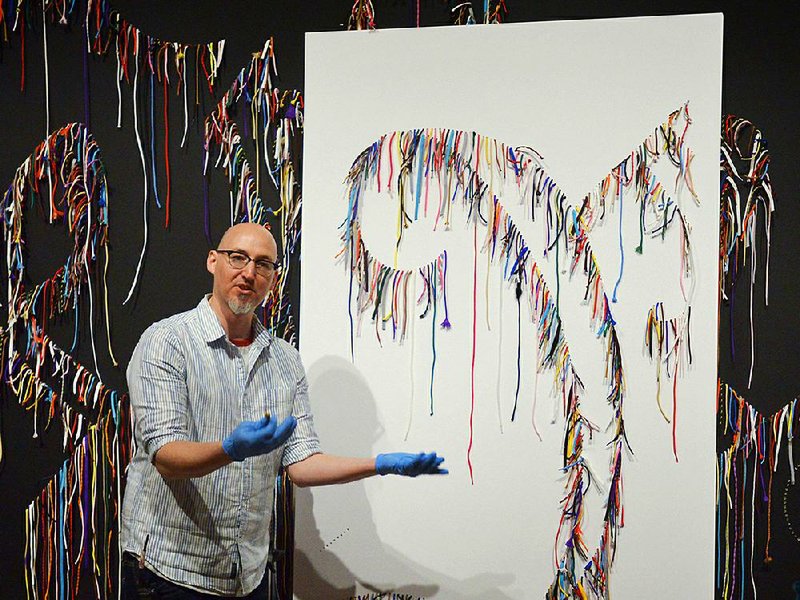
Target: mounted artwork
<point x="515" y="267"/>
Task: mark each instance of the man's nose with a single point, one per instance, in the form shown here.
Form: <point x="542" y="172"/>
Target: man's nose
<point x="250" y="270"/>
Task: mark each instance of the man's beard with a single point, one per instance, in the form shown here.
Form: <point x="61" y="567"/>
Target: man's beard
<point x="238" y="307"/>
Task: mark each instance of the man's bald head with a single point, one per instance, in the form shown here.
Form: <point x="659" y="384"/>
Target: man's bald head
<point x="247" y="230"/>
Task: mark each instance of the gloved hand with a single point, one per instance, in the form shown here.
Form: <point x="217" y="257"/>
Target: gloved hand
<point x="410" y="465"/>
<point x="252" y="438"/>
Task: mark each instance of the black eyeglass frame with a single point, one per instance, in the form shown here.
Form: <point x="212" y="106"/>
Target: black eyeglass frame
<point x="260" y="261"/>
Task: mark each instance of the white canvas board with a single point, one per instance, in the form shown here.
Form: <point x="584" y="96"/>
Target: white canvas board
<point x="584" y="94"/>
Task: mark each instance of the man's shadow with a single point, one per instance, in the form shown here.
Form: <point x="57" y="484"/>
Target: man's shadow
<point x="347" y="423"/>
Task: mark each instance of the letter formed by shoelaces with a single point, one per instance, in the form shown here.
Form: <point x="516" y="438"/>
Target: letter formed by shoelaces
<point x="745" y="190"/>
<point x="448" y="175"/>
<point x="750" y="457"/>
<point x="69" y="526"/>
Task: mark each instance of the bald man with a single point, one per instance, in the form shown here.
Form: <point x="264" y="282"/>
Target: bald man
<point x="219" y="405"/>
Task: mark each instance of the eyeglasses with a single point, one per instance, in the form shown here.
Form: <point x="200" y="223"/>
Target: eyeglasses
<point x="239" y="260"/>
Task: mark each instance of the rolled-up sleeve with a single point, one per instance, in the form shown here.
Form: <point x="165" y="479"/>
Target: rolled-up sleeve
<point x="158" y="392"/>
<point x="304" y="441"/>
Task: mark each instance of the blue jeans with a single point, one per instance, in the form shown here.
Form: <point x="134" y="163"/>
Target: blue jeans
<point x="142" y="584"/>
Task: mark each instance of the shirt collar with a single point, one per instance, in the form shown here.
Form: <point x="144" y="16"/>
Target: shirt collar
<point x="213" y="331"/>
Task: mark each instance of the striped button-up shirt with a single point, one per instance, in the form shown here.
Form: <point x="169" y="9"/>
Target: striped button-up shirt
<point x="187" y="381"/>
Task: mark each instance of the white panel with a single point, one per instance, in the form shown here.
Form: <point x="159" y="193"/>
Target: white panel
<point x="584" y="94"/>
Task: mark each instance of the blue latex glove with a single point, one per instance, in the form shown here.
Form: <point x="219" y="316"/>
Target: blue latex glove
<point x="252" y="438"/>
<point x="410" y="465"/>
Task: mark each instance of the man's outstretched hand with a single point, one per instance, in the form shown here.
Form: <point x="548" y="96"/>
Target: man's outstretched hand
<point x="410" y="465"/>
<point x="252" y="438"/>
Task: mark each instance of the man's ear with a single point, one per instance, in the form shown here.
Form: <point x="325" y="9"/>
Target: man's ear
<point x="211" y="261"/>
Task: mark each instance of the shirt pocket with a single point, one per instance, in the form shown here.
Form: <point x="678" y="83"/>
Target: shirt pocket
<point x="275" y="400"/>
